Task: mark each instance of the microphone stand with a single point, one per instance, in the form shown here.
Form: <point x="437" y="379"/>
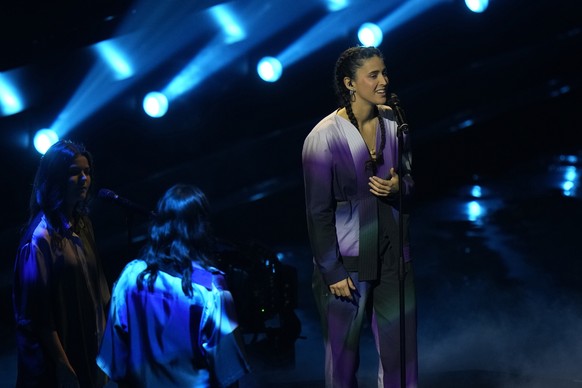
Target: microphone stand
<point x="129" y="218"/>
<point x="401" y="129"/>
<point x="401" y="274"/>
<point x="131" y="208"/>
<point x="130" y="215"/>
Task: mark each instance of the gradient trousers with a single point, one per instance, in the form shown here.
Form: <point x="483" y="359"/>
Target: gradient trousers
<point x="379" y="301"/>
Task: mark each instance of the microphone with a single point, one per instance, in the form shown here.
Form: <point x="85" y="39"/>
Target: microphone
<point x="394" y="103"/>
<point x="125" y="203"/>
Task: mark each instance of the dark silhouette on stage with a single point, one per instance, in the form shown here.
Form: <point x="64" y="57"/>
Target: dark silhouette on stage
<point x="60" y="291"/>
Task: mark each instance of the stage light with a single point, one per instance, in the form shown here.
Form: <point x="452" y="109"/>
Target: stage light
<point x="476" y="191"/>
<point x="44" y="139"/>
<point x="466" y="124"/>
<point x="10" y="102"/>
<point x="571" y="181"/>
<point x="570" y="159"/>
<point x="336" y="5"/>
<point x="155" y="104"/>
<point x="232" y="29"/>
<point x="474" y="211"/>
<point x="477" y="6"/>
<point x="370" y="34"/>
<point x="115" y="59"/>
<point x="270" y="69"/>
<point x="558" y="91"/>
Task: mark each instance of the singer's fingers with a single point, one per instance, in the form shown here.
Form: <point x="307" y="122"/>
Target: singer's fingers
<point x="342" y="288"/>
<point x="378" y="181"/>
<point x="345" y="292"/>
<point x="382" y="187"/>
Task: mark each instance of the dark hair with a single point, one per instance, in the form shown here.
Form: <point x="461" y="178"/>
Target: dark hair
<point x="346" y="66"/>
<point x="179" y="235"/>
<point x="50" y="187"/>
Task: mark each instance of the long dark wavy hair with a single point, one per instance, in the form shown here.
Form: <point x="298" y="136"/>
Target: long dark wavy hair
<point x="346" y="66"/>
<point x="180" y="234"/>
<point x="50" y="187"/>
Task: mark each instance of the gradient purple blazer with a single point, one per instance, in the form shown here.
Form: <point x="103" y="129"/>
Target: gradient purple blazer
<point x="342" y="213"/>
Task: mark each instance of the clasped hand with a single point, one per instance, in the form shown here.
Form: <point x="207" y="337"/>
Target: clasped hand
<point x="384" y="187"/>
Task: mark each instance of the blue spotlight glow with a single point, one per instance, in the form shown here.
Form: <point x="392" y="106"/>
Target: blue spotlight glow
<point x="184" y="81"/>
<point x="477" y="6"/>
<point x="10" y="102"/>
<point x="474" y="211"/>
<point x="232" y="29"/>
<point x="559" y="91"/>
<point x="44" y="139"/>
<point x="476" y="191"/>
<point x="370" y="34"/>
<point x="257" y="196"/>
<point x="216" y="55"/>
<point x="151" y="38"/>
<point x="572" y="159"/>
<point x="466" y="124"/>
<point x="336" y="5"/>
<point x="571" y="181"/>
<point x="270" y="69"/>
<point x="168" y="27"/>
<point x="406" y="12"/>
<point x="337" y="24"/>
<point x="115" y="59"/>
<point x="570" y="174"/>
<point x="155" y="104"/>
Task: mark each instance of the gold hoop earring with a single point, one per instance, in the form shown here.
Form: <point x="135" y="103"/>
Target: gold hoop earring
<point x="352" y="95"/>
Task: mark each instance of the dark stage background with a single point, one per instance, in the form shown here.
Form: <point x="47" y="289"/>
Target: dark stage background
<point x="499" y="296"/>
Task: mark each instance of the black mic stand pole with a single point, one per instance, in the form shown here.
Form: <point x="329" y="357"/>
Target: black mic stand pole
<point x="401" y="129"/>
<point x="129" y="217"/>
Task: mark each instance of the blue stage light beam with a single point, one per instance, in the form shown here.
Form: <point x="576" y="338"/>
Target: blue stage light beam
<point x="149" y="38"/>
<point x="406" y="12"/>
<point x="115" y="58"/>
<point x="331" y="27"/>
<point x="232" y="29"/>
<point x="262" y="20"/>
<point x="159" y="31"/>
<point x="10" y="100"/>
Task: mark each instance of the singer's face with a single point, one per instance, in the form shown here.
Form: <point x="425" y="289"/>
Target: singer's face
<point x="371" y="81"/>
<point x="79" y="180"/>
